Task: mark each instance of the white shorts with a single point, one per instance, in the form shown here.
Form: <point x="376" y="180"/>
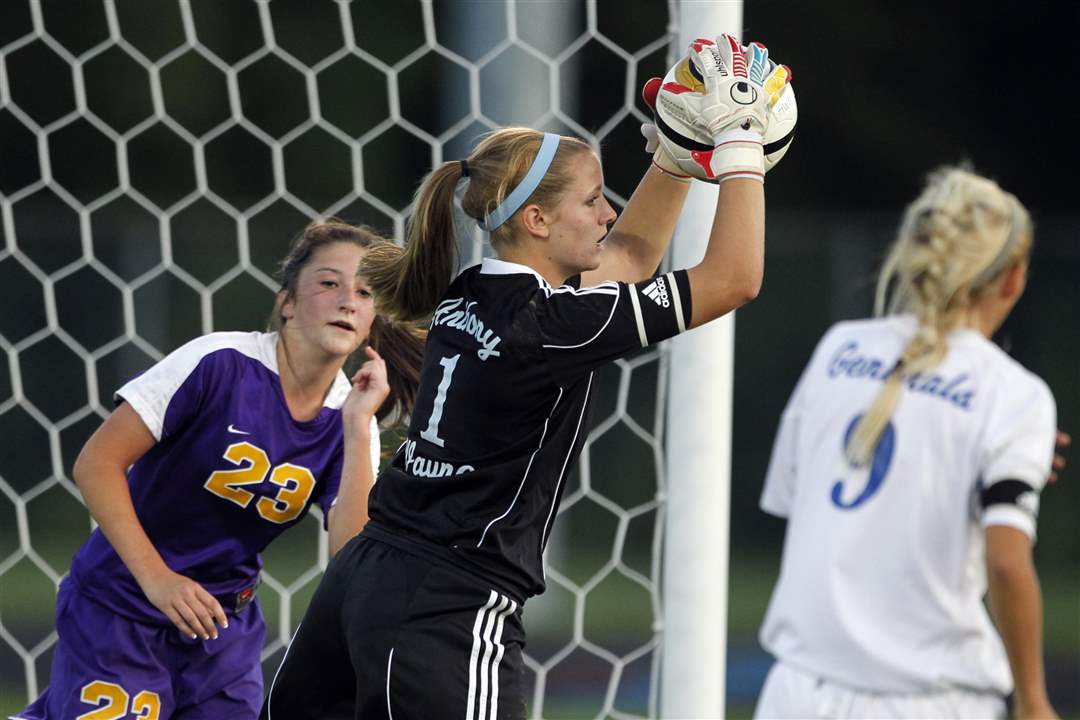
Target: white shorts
<point x="792" y="693"/>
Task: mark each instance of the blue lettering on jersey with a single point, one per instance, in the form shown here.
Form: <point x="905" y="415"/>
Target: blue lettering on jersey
<point x="847" y="361"/>
<point x="450" y="314"/>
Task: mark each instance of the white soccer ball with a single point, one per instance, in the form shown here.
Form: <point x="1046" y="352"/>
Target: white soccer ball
<point x="783" y="116"/>
<point x="690" y="148"/>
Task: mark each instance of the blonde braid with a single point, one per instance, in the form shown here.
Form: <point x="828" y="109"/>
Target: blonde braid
<point x="956" y="238"/>
<point x="925" y="281"/>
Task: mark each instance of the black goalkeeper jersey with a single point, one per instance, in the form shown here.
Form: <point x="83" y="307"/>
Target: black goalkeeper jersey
<point x="500" y="415"/>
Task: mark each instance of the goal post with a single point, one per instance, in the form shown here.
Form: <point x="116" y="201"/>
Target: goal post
<point x="698" y="452"/>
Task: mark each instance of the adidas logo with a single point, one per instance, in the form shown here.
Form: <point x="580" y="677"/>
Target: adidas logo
<point x="657" y="292"/>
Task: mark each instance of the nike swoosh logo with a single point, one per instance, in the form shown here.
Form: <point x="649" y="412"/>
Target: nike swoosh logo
<point x="233" y="429"/>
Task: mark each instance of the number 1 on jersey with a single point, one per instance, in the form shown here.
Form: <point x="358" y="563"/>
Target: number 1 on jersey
<point x="432" y="432"/>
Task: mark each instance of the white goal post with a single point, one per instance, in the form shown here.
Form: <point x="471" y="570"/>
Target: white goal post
<point x="698" y="451"/>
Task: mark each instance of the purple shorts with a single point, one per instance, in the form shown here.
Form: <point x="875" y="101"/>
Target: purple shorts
<point x="125" y="668"/>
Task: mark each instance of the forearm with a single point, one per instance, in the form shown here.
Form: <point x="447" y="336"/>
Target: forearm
<point x="350" y="511"/>
<point x="646" y="225"/>
<point x="730" y="273"/>
<point x="1016" y="603"/>
<point x="104" y="487"/>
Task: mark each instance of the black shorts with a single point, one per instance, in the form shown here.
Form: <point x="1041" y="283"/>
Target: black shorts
<point x="393" y="635"/>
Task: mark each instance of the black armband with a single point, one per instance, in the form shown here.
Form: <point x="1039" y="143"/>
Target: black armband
<point x="1010" y="492"/>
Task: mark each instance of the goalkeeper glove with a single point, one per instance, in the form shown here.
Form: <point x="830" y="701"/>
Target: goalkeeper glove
<point x="733" y="109"/>
<point x="660" y="157"/>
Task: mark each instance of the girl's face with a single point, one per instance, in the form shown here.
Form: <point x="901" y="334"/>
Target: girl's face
<point x="580" y="221"/>
<point x="332" y="307"/>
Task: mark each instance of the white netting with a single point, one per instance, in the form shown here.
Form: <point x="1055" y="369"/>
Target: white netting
<point x="155" y="160"/>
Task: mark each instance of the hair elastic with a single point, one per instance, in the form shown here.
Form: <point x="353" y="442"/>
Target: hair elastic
<point x="464" y="168"/>
<point x="522" y="192"/>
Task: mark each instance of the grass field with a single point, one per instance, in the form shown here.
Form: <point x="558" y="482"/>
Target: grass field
<point x="617" y="616"/>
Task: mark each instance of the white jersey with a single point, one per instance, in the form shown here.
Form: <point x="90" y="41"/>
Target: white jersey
<point x="883" y="571"/>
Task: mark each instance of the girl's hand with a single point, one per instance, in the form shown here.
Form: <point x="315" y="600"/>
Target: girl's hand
<point x="187" y="603"/>
<point x="1061" y="443"/>
<point x="369" y="389"/>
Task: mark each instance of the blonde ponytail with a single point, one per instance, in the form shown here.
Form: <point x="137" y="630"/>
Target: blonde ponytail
<point x="409" y="283"/>
<point x="956" y="238"/>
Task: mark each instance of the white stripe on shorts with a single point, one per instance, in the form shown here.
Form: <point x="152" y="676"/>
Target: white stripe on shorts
<point x="485" y="662"/>
<point x="470" y="709"/>
<point x="487" y="634"/>
<point x="498" y="659"/>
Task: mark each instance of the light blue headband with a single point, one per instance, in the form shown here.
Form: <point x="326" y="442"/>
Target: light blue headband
<point x="522" y="192"/>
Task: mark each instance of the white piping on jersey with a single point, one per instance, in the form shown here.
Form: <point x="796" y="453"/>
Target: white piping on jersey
<point x="527" y="468"/>
<point x="634" y="303"/>
<point x="604" y="288"/>
<point x="487" y="631"/>
<point x="562" y="473"/>
<point x="270" y="694"/>
<point x="677" y="300"/>
<point x="606" y="323"/>
<point x="495" y="266"/>
<point x="389" y="664"/>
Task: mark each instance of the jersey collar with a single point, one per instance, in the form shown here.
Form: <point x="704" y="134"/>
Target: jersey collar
<point x="494" y="266"/>
<point x="339" y="390"/>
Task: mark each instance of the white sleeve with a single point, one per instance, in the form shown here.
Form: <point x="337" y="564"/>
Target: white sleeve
<point x="779" y="492"/>
<point x="1017" y="456"/>
<point x="171" y="386"/>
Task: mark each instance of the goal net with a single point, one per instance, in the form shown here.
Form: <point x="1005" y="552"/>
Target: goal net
<point x="155" y="161"/>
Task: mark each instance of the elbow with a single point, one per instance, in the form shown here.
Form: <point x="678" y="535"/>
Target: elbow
<point x="80" y="471"/>
<point x="1008" y="556"/>
<point x="746" y="289"/>
<point x="1009" y="571"/>
<point x="752" y="287"/>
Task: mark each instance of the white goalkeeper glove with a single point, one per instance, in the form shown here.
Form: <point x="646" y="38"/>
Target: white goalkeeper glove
<point x="733" y="108"/>
<point x="660" y="157"/>
<point x="732" y="99"/>
<point x="774" y="78"/>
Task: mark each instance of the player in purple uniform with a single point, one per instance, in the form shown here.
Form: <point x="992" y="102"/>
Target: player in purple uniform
<point x="420" y="616"/>
<point x="229" y="440"/>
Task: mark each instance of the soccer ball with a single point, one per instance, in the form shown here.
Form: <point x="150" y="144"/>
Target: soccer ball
<point x="692" y="149"/>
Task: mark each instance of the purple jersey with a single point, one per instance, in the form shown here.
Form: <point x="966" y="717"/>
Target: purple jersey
<point x="230" y="471"/>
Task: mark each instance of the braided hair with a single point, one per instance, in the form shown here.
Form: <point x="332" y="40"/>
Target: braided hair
<point x="955" y="240"/>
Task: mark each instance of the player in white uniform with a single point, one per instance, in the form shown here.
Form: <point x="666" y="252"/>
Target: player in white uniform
<point x="908" y="463"/>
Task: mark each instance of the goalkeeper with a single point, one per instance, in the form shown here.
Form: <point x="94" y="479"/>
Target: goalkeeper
<point x="420" y="616"/>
